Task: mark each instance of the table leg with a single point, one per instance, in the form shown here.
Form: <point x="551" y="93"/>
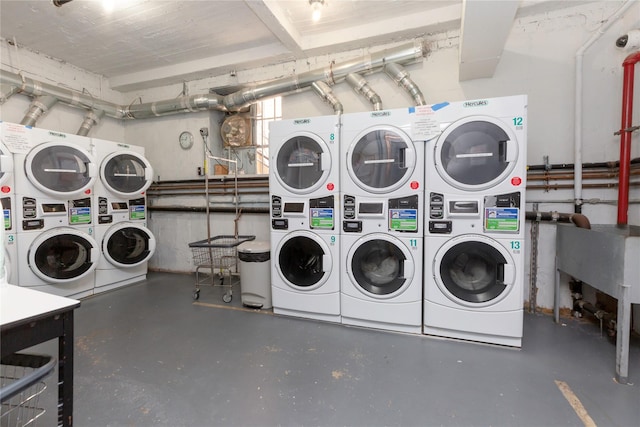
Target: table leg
<point x="556" y="295"/>
<point x="622" y="335"/>
<point x="65" y="372"/>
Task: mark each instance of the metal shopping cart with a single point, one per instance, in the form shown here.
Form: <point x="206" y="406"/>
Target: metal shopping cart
<point x="217" y="254"/>
<point x="21" y="385"/>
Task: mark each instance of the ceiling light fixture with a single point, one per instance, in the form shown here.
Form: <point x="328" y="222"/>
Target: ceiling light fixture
<point x="316" y="9"/>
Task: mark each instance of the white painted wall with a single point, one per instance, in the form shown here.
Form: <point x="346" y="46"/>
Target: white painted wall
<point x="538" y="60"/>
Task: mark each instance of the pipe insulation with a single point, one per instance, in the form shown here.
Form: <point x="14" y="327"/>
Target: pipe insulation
<point x="360" y="86"/>
<point x="326" y="94"/>
<point x="403" y="54"/>
<point x="38" y="107"/>
<point x="402" y="78"/>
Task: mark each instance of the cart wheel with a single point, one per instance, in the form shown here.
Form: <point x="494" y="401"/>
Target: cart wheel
<point x="196" y="295"/>
<point x="226" y="298"/>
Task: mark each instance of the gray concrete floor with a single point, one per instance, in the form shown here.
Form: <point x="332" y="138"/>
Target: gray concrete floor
<point x="146" y="355"/>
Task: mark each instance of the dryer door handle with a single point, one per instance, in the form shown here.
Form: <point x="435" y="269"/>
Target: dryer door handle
<point x="326" y="263"/>
<point x="5" y="164"/>
<point x="325" y="161"/>
<point x="509" y="274"/>
<point x="95" y="255"/>
<point x="511" y="150"/>
<point x="92" y="169"/>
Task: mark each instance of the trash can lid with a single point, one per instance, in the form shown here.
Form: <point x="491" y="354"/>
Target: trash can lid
<point x="254" y="247"/>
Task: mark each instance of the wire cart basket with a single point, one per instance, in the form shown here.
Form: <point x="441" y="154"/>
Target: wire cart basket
<point x="21" y="385"/>
<point x="217" y="253"/>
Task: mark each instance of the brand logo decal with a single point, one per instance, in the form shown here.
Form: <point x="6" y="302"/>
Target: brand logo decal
<point x="301" y="122"/>
<point x="479" y="103"/>
<point x="380" y="114"/>
<point x="61" y="135"/>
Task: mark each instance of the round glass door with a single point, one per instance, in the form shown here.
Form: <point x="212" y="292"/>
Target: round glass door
<point x="304" y="262"/>
<point x="381" y="159"/>
<point x="60" y="256"/>
<point x="128" y="245"/>
<point x="126" y="174"/>
<point x="303" y="163"/>
<point x="60" y="170"/>
<point x="379" y="267"/>
<point x="474" y="271"/>
<point x="476" y="153"/>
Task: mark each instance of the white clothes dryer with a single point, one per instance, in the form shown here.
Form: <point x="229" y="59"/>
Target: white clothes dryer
<point x="474" y="288"/>
<point x="304" y="159"/>
<point x="381" y="285"/>
<point x="383" y="154"/>
<point x="305" y="272"/>
<point x="482" y="146"/>
<point x="53" y="165"/>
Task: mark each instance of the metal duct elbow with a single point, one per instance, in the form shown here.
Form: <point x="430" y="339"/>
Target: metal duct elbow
<point x="91" y="118"/>
<point x="38" y="107"/>
<point x="403" y="79"/>
<point x="324" y="91"/>
<point x="360" y="85"/>
<point x="6" y="92"/>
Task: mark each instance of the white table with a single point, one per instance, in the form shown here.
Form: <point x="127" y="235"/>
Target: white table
<point x="28" y="318"/>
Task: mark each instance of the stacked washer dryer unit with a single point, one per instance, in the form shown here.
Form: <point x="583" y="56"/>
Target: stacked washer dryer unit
<point x="382" y="172"/>
<point x="119" y="196"/>
<point x="7" y="199"/>
<point x="304" y="194"/>
<point x="54" y="180"/>
<point x="475" y="214"/>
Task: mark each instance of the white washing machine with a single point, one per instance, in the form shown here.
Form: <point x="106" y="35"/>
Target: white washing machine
<point x="382" y="245"/>
<point x="125" y="241"/>
<point x="482" y="146"/>
<point x="383" y="153"/>
<point x="305" y="257"/>
<point x="473" y="288"/>
<point x="56" y="249"/>
<point x="304" y="159"/>
<point x="52" y="164"/>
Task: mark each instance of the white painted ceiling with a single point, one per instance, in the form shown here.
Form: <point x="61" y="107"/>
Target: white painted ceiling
<point x="145" y="43"/>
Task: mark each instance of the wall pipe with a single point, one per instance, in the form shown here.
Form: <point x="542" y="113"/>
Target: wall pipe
<point x="403" y="79"/>
<point x="326" y="94"/>
<point x="577" y="124"/>
<point x="91" y="118"/>
<point x="578" y="220"/>
<point x="38" y="107"/>
<point x="625" y="136"/>
<point x="360" y="86"/>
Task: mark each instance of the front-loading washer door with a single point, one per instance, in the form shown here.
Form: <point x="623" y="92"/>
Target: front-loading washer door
<point x="474" y="271"/>
<point x="380" y="266"/>
<point x="476" y="153"/>
<point x="6" y="168"/>
<point x="60" y="170"/>
<point x="303" y="163"/>
<point x="304" y="261"/>
<point x="128" y="244"/>
<point x="63" y="255"/>
<point x="381" y="159"/>
<point x="126" y="173"/>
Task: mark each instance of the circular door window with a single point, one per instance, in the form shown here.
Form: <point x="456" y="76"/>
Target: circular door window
<point x="379" y="267"/>
<point x="128" y="245"/>
<point x="63" y="171"/>
<point x="303" y="163"/>
<point x="474" y="271"/>
<point x="381" y="159"/>
<point x="304" y="262"/>
<point x="476" y="153"/>
<point x="126" y="174"/>
<point x="6" y="168"/>
<point x="63" y="255"/>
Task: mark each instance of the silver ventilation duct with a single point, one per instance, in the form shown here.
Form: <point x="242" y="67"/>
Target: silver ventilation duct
<point x="38" y="107"/>
<point x="6" y="92"/>
<point x="404" y="54"/>
<point x="91" y="118"/>
<point x="360" y="85"/>
<point x="324" y="91"/>
<point x="403" y="79"/>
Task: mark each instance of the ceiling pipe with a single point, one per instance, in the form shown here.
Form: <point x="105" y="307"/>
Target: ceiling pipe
<point x="6" y="92"/>
<point x="625" y="136"/>
<point x="91" y="118"/>
<point x="324" y="91"/>
<point x="577" y="123"/>
<point x="59" y="3"/>
<point x="403" y="79"/>
<point x="404" y="54"/>
<point x="360" y="86"/>
<point x="38" y="107"/>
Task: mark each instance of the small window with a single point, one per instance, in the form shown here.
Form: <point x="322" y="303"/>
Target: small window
<point x="265" y="112"/>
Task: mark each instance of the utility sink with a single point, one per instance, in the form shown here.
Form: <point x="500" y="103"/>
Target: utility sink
<point x="606" y="257"/>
